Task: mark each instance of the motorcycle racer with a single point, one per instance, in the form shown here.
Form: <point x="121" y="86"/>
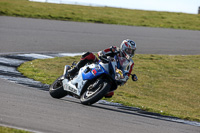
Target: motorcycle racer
<point x="124" y="53"/>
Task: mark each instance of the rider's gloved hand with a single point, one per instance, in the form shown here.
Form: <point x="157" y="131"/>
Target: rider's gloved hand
<point x="120" y="77"/>
<point x="113" y="49"/>
<point x="119" y="74"/>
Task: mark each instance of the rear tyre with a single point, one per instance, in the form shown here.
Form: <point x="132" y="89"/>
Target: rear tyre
<point x="56" y="89"/>
<point x="95" y="92"/>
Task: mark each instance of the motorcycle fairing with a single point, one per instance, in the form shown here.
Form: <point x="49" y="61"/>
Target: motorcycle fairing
<point x="87" y="73"/>
<point x="75" y="85"/>
<point x="94" y="71"/>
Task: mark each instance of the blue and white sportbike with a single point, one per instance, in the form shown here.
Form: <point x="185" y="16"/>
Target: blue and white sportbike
<point x="91" y="84"/>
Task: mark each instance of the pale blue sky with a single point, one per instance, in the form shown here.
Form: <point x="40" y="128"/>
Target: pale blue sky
<point x="185" y="6"/>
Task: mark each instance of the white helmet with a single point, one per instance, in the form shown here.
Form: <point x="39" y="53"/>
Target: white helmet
<point x="128" y="48"/>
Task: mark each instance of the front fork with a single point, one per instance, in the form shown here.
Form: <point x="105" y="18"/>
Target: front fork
<point x="67" y="67"/>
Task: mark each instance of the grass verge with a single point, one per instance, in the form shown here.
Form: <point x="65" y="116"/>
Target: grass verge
<point x="11" y="130"/>
<point x="25" y="8"/>
<point x="168" y="85"/>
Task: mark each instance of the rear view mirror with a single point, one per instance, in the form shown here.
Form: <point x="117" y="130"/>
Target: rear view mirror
<point x="134" y="77"/>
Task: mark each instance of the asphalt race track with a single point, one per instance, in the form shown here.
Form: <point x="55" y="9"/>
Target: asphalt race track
<point x="28" y="35"/>
<point x="33" y="109"/>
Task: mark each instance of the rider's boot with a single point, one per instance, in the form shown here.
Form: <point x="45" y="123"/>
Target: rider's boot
<point x="72" y="72"/>
<point x="86" y="58"/>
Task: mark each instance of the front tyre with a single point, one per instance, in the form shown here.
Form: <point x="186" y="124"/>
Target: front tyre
<point x="95" y="92"/>
<point x="56" y="89"/>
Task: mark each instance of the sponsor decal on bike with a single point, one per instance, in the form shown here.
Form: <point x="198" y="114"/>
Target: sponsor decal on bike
<point x="69" y="88"/>
<point x="94" y="72"/>
<point x="72" y="89"/>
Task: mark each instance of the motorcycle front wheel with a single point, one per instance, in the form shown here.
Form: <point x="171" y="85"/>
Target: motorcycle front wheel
<point x="95" y="92"/>
<point x="56" y="89"/>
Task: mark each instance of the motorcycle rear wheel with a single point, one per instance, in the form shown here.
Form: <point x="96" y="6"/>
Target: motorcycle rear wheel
<point x="95" y="92"/>
<point x="56" y="89"/>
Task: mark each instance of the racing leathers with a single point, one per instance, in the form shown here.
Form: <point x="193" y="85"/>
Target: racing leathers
<point x="125" y="65"/>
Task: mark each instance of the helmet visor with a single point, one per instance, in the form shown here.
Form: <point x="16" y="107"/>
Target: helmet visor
<point x="130" y="51"/>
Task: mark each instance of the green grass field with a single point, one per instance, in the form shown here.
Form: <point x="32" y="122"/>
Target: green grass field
<point x="11" y="130"/>
<point x="25" y="8"/>
<point x="168" y="85"/>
